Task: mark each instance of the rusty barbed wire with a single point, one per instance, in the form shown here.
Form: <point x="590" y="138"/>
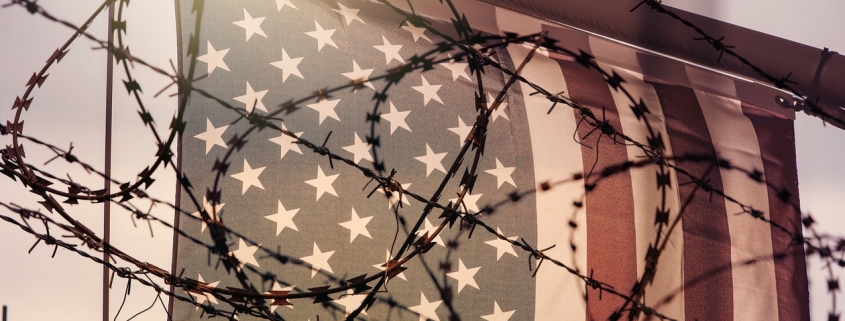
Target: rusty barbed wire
<point x="815" y="105"/>
<point x="471" y="53"/>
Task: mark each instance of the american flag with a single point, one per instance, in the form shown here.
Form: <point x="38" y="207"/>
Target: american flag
<point x="288" y="199"/>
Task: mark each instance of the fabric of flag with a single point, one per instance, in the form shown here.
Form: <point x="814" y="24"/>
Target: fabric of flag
<point x="288" y="199"/>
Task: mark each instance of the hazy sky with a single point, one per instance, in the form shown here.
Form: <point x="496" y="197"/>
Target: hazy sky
<point x="70" y="108"/>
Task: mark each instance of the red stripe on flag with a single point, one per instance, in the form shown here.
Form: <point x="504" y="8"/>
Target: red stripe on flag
<point x="776" y="137"/>
<point x="611" y="232"/>
<point x="708" y="280"/>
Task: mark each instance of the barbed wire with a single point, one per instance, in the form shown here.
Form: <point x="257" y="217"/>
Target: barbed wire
<point x="816" y="106"/>
<point x="479" y="58"/>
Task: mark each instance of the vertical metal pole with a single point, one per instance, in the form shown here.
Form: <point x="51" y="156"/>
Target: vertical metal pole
<point x="177" y="198"/>
<point x="4" y="313"/>
<point x="107" y="183"/>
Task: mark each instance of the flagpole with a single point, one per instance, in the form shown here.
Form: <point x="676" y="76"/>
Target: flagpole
<point x="107" y="183"/>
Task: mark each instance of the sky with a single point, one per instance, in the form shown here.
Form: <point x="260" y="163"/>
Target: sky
<point x="70" y="107"/>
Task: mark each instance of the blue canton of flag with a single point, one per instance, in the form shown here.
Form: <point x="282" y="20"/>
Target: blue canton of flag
<point x="287" y="199"/>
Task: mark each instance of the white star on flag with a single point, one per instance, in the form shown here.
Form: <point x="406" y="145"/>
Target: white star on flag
<point x="458" y="69"/>
<point x="351" y="301"/>
<point x="462" y="130"/>
<point x="213" y="212"/>
<point x="287" y="143"/>
<point x="319" y="260"/>
<point x="426" y="310"/>
<point x="470" y="201"/>
<point x="502" y="173"/>
<point x="249" y="177"/>
<point x="214" y="58"/>
<point x="323" y="36"/>
<point x="396" y="118"/>
<point x="429" y="91"/>
<point x="390" y="51"/>
<point x="282" y="3"/>
<point x="498" y="315"/>
<point x="278" y="287"/>
<point x="417" y="33"/>
<point x="326" y="109"/>
<point x="432" y="161"/>
<point x="245" y="254"/>
<point x="252" y="99"/>
<point x="360" y="75"/>
<point x="383" y="266"/>
<point x="288" y="66"/>
<point x="349" y="14"/>
<point x="394" y="196"/>
<point x="464" y="276"/>
<point x="283" y="219"/>
<point x="212" y="136"/>
<point x="502" y="246"/>
<point x="251" y="25"/>
<point x="202" y="297"/>
<point x="360" y="149"/>
<point x="323" y="183"/>
<point x="430" y="228"/>
<point x="500" y="111"/>
<point x="357" y="226"/>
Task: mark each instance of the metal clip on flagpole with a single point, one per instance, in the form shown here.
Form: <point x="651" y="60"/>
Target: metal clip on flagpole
<point x="813" y="93"/>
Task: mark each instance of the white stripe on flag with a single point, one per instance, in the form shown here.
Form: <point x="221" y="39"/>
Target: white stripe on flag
<point x="734" y="138"/>
<point x="559" y="295"/>
<point x="669" y="277"/>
